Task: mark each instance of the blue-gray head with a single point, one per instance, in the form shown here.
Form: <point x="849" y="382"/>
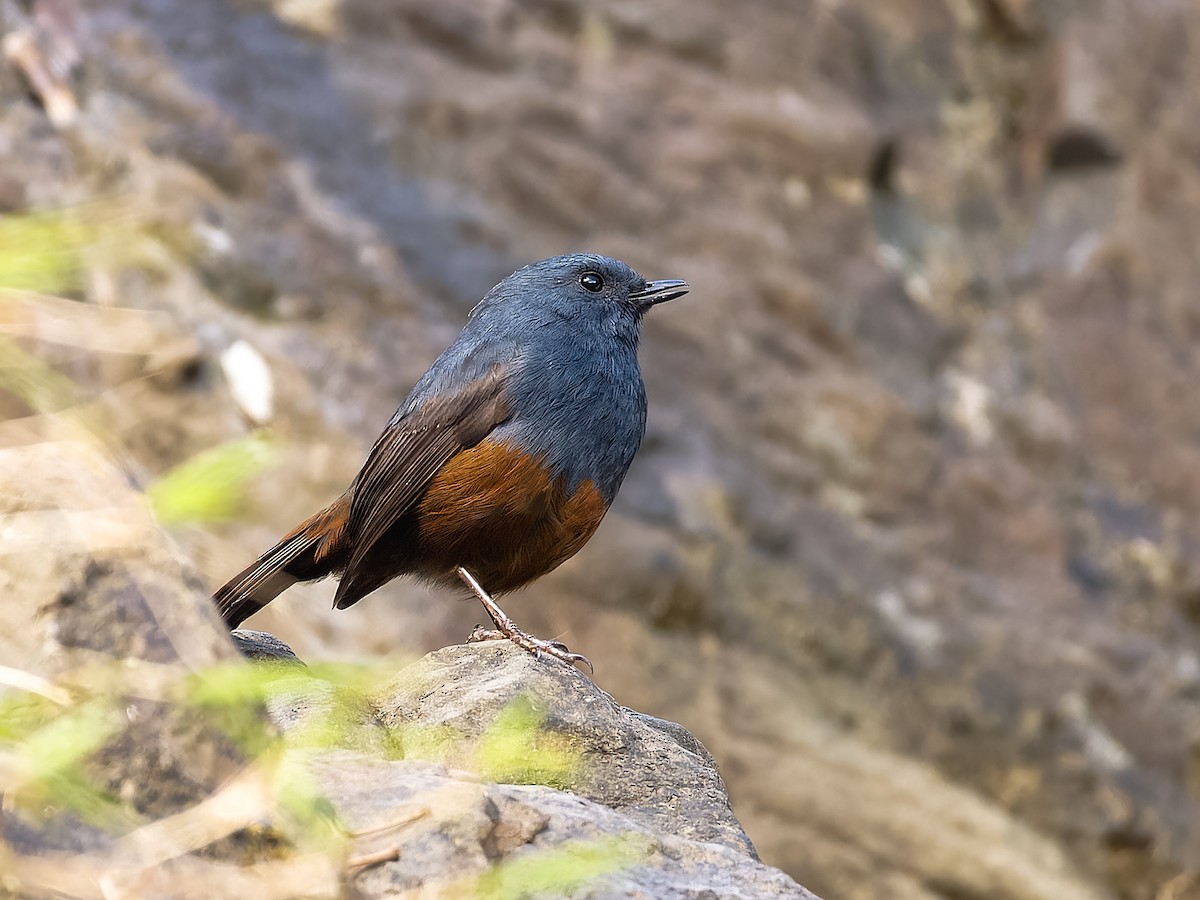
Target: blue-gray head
<point x="586" y="289"/>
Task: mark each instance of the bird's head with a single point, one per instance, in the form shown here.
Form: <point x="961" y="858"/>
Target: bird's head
<point x="580" y="289"/>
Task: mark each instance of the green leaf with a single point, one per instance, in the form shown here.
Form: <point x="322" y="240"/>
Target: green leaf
<point x="67" y="739"/>
<point x="211" y="486"/>
<point x="50" y="764"/>
<point x="22" y="714"/>
<point x="314" y="823"/>
<point x="41" y="251"/>
<point x="29" y="379"/>
<point x="516" y="749"/>
<point x="558" y="871"/>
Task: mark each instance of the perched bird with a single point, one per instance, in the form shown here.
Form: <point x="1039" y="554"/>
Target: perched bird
<point x="502" y="460"/>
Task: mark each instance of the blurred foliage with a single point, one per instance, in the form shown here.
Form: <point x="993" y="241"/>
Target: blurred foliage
<point x="50" y="251"/>
<point x="516" y="749"/>
<point x="558" y="871"/>
<point x="513" y="749"/>
<point x="211" y="486"/>
<point x="232" y="698"/>
<point x="43" y="251"/>
<point x="33" y="382"/>
<point x="45" y="745"/>
<point x="237" y="694"/>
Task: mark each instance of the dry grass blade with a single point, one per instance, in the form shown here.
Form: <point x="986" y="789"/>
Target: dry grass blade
<point x="366" y="860"/>
<point x="239" y="803"/>
<point x="35" y="684"/>
<point x="394" y="825"/>
<point x="103" y="329"/>
<point x="85" y="531"/>
<point x="92" y="878"/>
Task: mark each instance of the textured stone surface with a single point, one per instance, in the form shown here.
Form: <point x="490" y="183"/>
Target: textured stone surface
<point x="639" y="794"/>
<point x="631" y="763"/>
<point x="105" y="619"/>
<point x="463" y="828"/>
<point x="262" y="647"/>
<point x="86" y="573"/>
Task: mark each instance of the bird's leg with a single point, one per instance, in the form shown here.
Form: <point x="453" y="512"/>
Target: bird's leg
<point x="506" y="627"/>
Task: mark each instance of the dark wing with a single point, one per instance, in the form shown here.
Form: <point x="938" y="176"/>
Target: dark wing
<point x="407" y="455"/>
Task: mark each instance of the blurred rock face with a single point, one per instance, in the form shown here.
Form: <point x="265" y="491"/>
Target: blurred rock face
<point x="919" y="489"/>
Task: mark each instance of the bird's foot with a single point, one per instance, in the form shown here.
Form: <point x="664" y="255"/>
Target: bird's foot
<point x="479" y="634"/>
<point x="507" y="629"/>
<point x="534" y="645"/>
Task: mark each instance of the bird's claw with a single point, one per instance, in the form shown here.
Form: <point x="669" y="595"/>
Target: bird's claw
<point x="559" y="650"/>
<point x="507" y="628"/>
<point x="530" y="644"/>
<point x="479" y="634"/>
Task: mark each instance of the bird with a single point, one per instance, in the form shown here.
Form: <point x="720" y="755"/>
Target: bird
<point x="502" y="460"/>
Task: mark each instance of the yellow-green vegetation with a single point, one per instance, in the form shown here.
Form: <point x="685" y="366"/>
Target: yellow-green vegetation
<point x="558" y="871"/>
<point x="51" y="251"/>
<point x="43" y="251"/>
<point x="516" y="748"/>
<point x="48" y="734"/>
<point x="211" y="486"/>
<point x="31" y="381"/>
<point x="45" y="745"/>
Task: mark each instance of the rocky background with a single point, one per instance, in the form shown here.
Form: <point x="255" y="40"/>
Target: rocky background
<point x="912" y="543"/>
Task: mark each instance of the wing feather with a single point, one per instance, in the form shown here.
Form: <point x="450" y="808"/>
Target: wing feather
<point x="407" y="455"/>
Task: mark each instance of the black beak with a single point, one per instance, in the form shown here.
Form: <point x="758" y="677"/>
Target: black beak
<point x="659" y="292"/>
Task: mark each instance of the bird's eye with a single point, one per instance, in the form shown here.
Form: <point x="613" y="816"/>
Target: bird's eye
<point x="591" y="282"/>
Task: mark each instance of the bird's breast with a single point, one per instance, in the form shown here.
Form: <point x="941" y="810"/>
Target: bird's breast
<point x="504" y="514"/>
<point x="582" y="414"/>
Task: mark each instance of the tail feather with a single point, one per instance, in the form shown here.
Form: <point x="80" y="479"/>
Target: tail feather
<point x="312" y="550"/>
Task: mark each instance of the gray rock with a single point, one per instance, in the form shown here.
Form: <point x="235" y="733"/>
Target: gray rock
<point x="95" y="596"/>
<point x="607" y="802"/>
<point x="653" y="771"/>
<point x="452" y="831"/>
<point x="262" y="647"/>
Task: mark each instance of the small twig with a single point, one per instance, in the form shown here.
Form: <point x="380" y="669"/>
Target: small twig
<point x="366" y="860"/>
<point x="241" y="801"/>
<point x="394" y="825"/>
<point x="34" y="684"/>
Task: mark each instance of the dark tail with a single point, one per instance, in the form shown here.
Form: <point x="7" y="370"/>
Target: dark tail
<point x="314" y="549"/>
